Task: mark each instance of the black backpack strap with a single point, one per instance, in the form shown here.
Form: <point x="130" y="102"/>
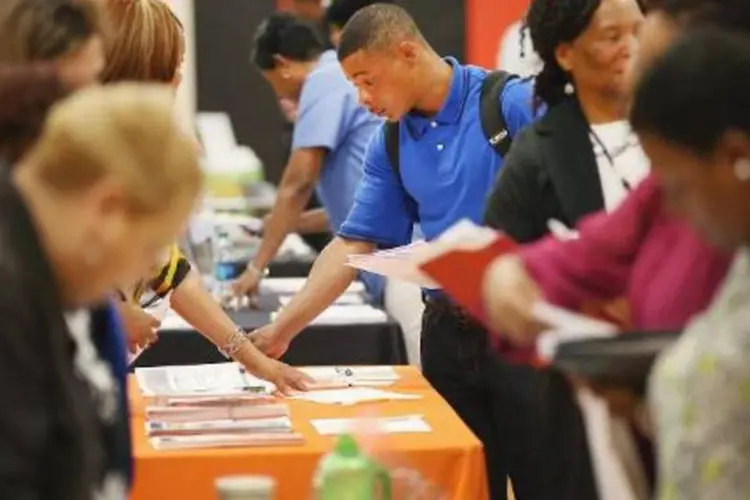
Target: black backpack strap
<point x="390" y="136"/>
<point x="491" y="114"/>
<point x="390" y="131"/>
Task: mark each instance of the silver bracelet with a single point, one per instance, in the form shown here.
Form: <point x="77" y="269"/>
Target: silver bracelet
<point x="235" y="343"/>
<point x="258" y="272"/>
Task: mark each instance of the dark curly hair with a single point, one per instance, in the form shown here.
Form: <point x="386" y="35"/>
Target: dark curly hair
<point x="551" y="23"/>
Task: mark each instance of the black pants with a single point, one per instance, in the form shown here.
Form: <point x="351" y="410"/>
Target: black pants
<point x="508" y="407"/>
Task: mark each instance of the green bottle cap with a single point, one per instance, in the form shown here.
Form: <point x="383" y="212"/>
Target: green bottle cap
<point x="347" y="446"/>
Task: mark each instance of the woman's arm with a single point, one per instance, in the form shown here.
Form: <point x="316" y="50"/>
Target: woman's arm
<point x="196" y="306"/>
<point x="313" y="221"/>
<point x="596" y="265"/>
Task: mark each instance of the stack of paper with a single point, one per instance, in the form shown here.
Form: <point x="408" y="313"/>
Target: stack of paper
<point x="348" y="315"/>
<point x="274" y="425"/>
<point x="347" y="299"/>
<point x="290" y="286"/>
<point x="217" y="379"/>
<point x="221" y="409"/>
<point x="225" y="441"/>
<point x="212" y="405"/>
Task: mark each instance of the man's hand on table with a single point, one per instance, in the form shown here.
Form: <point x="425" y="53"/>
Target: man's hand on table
<point x="247" y="283"/>
<point x="139" y="325"/>
<point x="269" y="342"/>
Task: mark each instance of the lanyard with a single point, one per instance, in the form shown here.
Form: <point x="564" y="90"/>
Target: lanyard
<point x="610" y="157"/>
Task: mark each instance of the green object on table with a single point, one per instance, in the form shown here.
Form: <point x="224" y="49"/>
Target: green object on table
<point x="347" y="474"/>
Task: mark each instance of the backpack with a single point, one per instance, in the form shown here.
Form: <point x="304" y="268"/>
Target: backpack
<point x="490" y="114"/>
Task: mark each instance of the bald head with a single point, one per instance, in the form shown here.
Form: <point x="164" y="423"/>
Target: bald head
<point x="378" y="26"/>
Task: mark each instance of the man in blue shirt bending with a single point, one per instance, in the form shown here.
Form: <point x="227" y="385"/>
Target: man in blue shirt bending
<point x="446" y="169"/>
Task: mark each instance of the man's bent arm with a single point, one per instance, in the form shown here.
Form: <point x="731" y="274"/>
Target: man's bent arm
<point x="328" y="279"/>
<point x="296" y="187"/>
<point x="313" y="221"/>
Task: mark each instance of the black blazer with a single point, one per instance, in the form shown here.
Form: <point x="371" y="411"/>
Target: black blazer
<point x="54" y="445"/>
<point x="549" y="173"/>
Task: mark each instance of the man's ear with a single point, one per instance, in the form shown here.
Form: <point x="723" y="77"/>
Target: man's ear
<point x="408" y="50"/>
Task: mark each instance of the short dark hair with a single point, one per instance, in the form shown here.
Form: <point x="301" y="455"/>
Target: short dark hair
<point x="733" y="14"/>
<point x="340" y="11"/>
<point x="697" y="91"/>
<point x="284" y="34"/>
<point x="376" y="26"/>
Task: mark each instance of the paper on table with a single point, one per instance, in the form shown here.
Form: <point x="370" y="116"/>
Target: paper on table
<point x="347" y="299"/>
<point x="287" y="286"/>
<point x="271" y="425"/>
<point x="348" y="315"/>
<point x="352" y="396"/>
<point x="566" y="326"/>
<point x="352" y="373"/>
<point x="384" y="425"/>
<point x="225" y="409"/>
<point x="209" y="379"/>
<point x="225" y="441"/>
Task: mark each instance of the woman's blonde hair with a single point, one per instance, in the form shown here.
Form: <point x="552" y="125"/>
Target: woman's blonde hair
<point x="41" y="30"/>
<point x="147" y="42"/>
<point x="124" y="131"/>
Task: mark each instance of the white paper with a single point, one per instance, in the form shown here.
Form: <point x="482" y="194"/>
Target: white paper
<point x="261" y="425"/>
<point x="403" y="263"/>
<point x="348" y="315"/>
<point x="225" y="409"/>
<point x="383" y="425"/>
<point x="290" y="286"/>
<point x="352" y="396"/>
<point x="566" y="326"/>
<point x="347" y="299"/>
<point x="352" y="373"/>
<point x="203" y="441"/>
<point x="192" y="380"/>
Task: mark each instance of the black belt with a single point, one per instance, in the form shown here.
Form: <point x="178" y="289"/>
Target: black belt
<point x="443" y="302"/>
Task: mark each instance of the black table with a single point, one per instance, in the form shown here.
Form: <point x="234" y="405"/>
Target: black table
<point x="351" y="344"/>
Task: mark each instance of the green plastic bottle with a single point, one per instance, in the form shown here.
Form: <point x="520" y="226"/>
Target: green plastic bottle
<point x="347" y="474"/>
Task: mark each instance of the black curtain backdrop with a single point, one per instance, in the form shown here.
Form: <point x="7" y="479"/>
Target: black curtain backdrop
<point x="226" y="81"/>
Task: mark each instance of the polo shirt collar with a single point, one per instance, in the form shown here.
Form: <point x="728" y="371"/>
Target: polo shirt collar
<point x="327" y="57"/>
<point x="451" y="110"/>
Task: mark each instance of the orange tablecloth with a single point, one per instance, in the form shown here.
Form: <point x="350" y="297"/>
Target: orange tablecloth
<point x="450" y="457"/>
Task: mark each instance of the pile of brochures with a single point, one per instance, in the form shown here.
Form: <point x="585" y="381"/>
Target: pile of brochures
<point x="212" y="406"/>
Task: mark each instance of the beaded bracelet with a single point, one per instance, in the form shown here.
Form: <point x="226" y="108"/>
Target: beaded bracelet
<point x="234" y="344"/>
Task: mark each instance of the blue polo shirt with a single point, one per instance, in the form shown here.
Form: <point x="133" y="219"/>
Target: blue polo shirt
<point x="329" y="117"/>
<point x="447" y="165"/>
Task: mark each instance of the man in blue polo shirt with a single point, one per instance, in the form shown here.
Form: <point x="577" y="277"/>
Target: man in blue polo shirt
<point x="447" y="168"/>
<point x="330" y="137"/>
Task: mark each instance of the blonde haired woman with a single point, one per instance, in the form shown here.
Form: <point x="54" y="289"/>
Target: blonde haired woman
<point x="105" y="189"/>
<point x="148" y="45"/>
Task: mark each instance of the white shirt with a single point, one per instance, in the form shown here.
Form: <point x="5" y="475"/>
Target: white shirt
<point x="629" y="164"/>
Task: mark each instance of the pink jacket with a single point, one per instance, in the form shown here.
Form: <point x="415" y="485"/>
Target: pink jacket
<point x="639" y="251"/>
